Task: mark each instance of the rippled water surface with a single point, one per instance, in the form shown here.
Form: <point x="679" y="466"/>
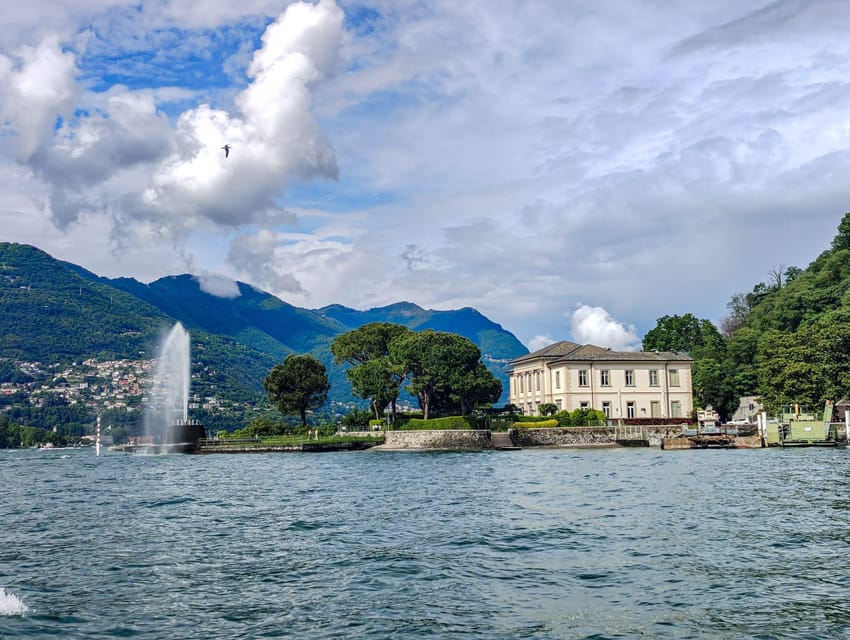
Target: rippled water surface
<point x="615" y="543"/>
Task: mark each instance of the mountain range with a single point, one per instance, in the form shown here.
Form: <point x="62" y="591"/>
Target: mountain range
<point x="57" y="311"/>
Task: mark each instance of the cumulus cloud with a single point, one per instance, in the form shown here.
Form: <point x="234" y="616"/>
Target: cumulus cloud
<point x="113" y="145"/>
<point x="38" y="86"/>
<point x="274" y="137"/>
<point x="594" y="325"/>
<point x="260" y="255"/>
<point x="218" y="285"/>
<point x="538" y="342"/>
<point x="517" y="161"/>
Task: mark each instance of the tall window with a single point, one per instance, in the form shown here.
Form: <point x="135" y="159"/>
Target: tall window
<point x="558" y="403"/>
<point x="537" y="379"/>
<point x="655" y="408"/>
<point x="605" y="377"/>
<point x="557" y="379"/>
<point x="521" y="383"/>
<point x="674" y="377"/>
<point x="606" y="408"/>
<point x="584" y="405"/>
<point x="630" y="409"/>
<point x="630" y="377"/>
<point x="582" y="378"/>
<point x="653" y="377"/>
<point x="676" y="409"/>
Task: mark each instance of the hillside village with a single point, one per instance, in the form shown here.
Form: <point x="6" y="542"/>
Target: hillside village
<point x="96" y="385"/>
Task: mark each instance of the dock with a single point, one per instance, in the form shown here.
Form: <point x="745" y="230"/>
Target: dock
<point x="713" y="441"/>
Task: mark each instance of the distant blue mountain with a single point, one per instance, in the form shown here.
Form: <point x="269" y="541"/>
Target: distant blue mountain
<point x="256" y="324"/>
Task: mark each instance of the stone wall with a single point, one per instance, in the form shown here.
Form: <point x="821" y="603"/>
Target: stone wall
<point x="454" y="439"/>
<point x="585" y="436"/>
<point x="556" y="437"/>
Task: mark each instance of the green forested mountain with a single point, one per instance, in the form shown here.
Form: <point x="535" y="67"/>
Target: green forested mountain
<point x="787" y="341"/>
<point x="53" y="313"/>
<point x="53" y="310"/>
<point x="790" y="338"/>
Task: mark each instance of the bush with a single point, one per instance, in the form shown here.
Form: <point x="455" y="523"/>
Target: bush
<point x="582" y="418"/>
<point x="537" y="424"/>
<point x="438" y="424"/>
<point x="357" y="418"/>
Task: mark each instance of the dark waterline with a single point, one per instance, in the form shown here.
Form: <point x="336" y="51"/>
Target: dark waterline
<point x="531" y="544"/>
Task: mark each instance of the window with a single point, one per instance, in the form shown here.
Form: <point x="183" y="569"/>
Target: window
<point x="676" y="409"/>
<point x="630" y="409"/>
<point x="605" y="378"/>
<point x="558" y="404"/>
<point x="583" y="406"/>
<point x="537" y="379"/>
<point x="522" y="384"/>
<point x="557" y="379"/>
<point x="674" y="377"/>
<point x="582" y="378"/>
<point x="655" y="408"/>
<point x="606" y="408"/>
<point x="630" y="377"/>
<point x="653" y="377"/>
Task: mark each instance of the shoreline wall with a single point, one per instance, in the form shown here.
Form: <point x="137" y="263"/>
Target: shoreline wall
<point x="449" y="439"/>
<point x="586" y="436"/>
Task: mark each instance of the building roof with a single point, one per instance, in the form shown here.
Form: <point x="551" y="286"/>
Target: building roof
<point x="566" y="351"/>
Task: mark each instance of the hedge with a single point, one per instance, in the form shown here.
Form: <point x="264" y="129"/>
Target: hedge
<point x="536" y="424"/>
<point x="437" y="424"/>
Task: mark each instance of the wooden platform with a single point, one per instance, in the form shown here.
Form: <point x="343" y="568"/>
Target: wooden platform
<point x="714" y="441"/>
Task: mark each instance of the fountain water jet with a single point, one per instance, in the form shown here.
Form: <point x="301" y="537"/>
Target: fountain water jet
<point x="166" y="420"/>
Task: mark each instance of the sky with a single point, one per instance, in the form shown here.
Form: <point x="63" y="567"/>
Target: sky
<point x="573" y="169"/>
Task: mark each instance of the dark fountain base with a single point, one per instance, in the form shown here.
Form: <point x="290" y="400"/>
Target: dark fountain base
<point x="180" y="437"/>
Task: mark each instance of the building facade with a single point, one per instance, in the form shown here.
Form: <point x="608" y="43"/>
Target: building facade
<point x="622" y="384"/>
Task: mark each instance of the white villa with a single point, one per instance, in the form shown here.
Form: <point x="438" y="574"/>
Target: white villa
<point x="623" y="384"/>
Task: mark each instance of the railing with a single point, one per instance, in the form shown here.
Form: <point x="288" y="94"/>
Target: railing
<point x="630" y="432"/>
<point x="226" y="442"/>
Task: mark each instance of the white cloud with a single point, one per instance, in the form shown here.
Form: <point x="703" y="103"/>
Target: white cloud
<point x="594" y="325"/>
<point x="218" y="285"/>
<point x="38" y="86"/>
<point x="538" y="342"/>
<point x="508" y="156"/>
<point x="274" y="138"/>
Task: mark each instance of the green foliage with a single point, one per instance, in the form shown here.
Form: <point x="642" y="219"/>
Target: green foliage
<point x="13" y="435"/>
<point x="581" y="418"/>
<point x="299" y="384"/>
<point x="542" y="424"/>
<point x="373" y="374"/>
<point x="682" y="333"/>
<point x="791" y="339"/>
<point x="357" y="418"/>
<point x="447" y="423"/>
<point x="842" y="238"/>
<point x="438" y="364"/>
<point x="548" y="409"/>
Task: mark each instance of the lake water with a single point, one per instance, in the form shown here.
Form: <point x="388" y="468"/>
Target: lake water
<point x="614" y="543"/>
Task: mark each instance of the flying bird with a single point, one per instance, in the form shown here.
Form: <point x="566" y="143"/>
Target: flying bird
<point x="226" y="150"/>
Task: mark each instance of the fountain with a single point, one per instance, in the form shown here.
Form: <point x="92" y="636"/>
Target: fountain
<point x="167" y="427"/>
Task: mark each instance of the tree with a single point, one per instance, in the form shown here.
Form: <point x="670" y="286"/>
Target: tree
<point x="476" y="387"/>
<point x="373" y="374"/>
<point x="434" y="359"/>
<point x="842" y="239"/>
<point x="682" y="333"/>
<point x="299" y="384"/>
<point x="379" y="380"/>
